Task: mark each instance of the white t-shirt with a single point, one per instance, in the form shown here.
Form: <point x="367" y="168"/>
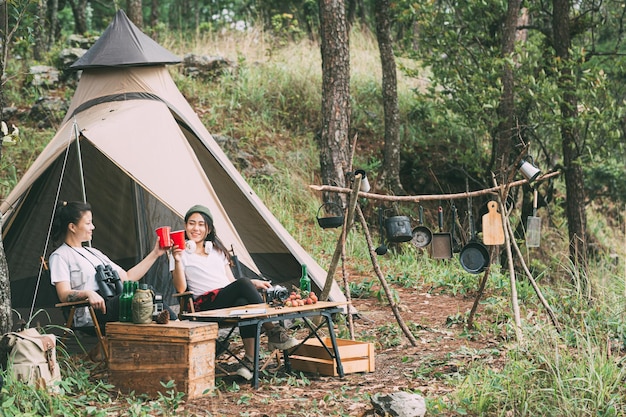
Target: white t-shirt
<point x="205" y="273"/>
<point x="78" y="267"/>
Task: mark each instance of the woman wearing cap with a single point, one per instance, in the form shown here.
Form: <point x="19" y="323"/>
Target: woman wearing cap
<point x="204" y="269"/>
<point x="73" y="266"/>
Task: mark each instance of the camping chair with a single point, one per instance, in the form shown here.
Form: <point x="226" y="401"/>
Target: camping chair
<point x="69" y="309"/>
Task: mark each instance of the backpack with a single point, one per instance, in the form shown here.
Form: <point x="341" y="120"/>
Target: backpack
<point x="31" y="357"/>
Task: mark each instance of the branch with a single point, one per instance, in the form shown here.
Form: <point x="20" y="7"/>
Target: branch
<point x="432" y="197"/>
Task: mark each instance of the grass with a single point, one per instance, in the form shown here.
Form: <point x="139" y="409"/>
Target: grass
<point x="270" y="105"/>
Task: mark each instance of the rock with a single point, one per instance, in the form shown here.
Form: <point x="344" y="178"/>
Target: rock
<point x="81" y="42"/>
<point x="68" y="56"/>
<point x="47" y="111"/>
<point x="43" y="76"/>
<point x="399" y="404"/>
<point x="205" y="66"/>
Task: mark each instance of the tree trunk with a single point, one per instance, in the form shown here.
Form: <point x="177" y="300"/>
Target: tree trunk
<point x="6" y="318"/>
<point x="134" y="12"/>
<point x="39" y="31"/>
<point x="390" y="177"/>
<point x="506" y="135"/>
<point x="53" y="22"/>
<point x="80" y="15"/>
<point x="154" y="17"/>
<point x="333" y="142"/>
<point x="574" y="181"/>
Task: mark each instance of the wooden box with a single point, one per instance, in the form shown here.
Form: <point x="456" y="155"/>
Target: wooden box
<point x="141" y="356"/>
<point x="312" y="357"/>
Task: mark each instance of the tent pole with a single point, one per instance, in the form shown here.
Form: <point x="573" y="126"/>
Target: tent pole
<point x="80" y="161"/>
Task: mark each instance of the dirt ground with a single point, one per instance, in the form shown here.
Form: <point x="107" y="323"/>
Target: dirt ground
<point x="442" y="348"/>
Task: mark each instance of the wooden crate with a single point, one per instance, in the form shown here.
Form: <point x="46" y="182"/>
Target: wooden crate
<point x="312" y="357"/>
<point x="144" y="355"/>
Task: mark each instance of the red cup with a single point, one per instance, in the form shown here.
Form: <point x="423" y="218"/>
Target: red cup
<point x="178" y="239"/>
<point x="164" y="237"/>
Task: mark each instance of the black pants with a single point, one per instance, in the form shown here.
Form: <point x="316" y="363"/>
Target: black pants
<point x="238" y="293"/>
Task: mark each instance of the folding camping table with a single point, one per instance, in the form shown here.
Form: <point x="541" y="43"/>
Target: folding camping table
<point x="258" y="314"/>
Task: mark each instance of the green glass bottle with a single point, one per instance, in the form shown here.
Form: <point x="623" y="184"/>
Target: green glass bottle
<point x="305" y="282"/>
<point x="125" y="302"/>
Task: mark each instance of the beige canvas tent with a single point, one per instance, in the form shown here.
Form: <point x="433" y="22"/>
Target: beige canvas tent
<point x="133" y="147"/>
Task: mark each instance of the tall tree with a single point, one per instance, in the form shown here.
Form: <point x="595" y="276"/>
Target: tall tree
<point x="574" y="181"/>
<point x="134" y="12"/>
<point x="52" y="22"/>
<point x="390" y="175"/>
<point x="40" y="30"/>
<point x="7" y="31"/>
<point x="79" y="11"/>
<point x="333" y="141"/>
<point x="506" y="135"/>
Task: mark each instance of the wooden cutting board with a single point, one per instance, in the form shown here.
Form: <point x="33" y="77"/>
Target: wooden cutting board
<point x="493" y="232"/>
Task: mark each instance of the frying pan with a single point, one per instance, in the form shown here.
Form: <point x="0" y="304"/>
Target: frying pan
<point x="474" y="256"/>
<point x="421" y="234"/>
<point x="441" y="242"/>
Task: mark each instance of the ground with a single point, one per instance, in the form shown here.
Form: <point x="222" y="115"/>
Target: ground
<point x="442" y="347"/>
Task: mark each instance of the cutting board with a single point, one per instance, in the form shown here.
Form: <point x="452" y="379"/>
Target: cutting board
<point x="493" y="232"/>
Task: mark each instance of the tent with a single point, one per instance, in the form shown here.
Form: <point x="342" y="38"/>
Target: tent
<point x="133" y="147"/>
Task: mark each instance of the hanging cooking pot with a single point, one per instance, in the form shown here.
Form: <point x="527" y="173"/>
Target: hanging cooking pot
<point x="474" y="256"/>
<point x="329" y="222"/>
<point x="398" y="229"/>
<point x="421" y="234"/>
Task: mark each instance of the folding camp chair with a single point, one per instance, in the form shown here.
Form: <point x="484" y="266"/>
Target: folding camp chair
<point x="69" y="310"/>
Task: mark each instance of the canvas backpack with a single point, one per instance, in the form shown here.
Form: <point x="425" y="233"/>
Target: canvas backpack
<point x="31" y="357"/>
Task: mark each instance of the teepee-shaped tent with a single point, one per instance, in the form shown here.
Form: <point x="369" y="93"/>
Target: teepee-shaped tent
<point x="142" y="158"/>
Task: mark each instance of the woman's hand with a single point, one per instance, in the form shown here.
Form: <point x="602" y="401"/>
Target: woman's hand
<point x="158" y="250"/>
<point x="96" y="301"/>
<point x="260" y="284"/>
<point x="177" y="253"/>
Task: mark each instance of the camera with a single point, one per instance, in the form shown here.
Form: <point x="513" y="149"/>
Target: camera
<point x="109" y="282"/>
<point x="276" y="294"/>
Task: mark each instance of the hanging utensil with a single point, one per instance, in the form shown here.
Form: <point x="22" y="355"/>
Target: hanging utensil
<point x="533" y="226"/>
<point x="474" y="256"/>
<point x="441" y="242"/>
<point x="421" y="234"/>
<point x="456" y="245"/>
<point x="493" y="233"/>
<point x="382" y="249"/>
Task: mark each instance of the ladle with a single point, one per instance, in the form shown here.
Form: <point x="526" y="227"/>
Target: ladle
<point x="382" y="249"/>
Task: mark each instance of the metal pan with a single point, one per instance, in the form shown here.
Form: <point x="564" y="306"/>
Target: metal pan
<point x="441" y="242"/>
<point x="533" y="226"/>
<point x="474" y="256"/>
<point x="421" y="234"/>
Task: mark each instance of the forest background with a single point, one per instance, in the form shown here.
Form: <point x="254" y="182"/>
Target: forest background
<point x="473" y="86"/>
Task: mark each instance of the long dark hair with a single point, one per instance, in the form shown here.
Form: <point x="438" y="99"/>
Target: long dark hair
<point x="65" y="214"/>
<point x="212" y="236"/>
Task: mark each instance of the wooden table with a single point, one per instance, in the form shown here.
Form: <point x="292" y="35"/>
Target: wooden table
<point x="258" y="314"/>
